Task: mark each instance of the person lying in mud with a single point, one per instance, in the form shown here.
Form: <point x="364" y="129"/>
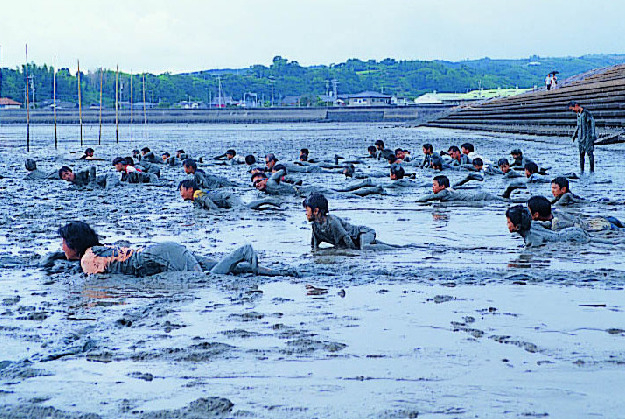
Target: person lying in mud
<point x="532" y="174"/>
<point x="457" y="158"/>
<point x="170" y="160"/>
<point x="220" y="199"/>
<point x="429" y="154"/>
<point x="88" y="177"/>
<point x="81" y="243"/>
<point x="553" y="219"/>
<point x="89" y="152"/>
<point x="476" y="172"/>
<point x="518" y="160"/>
<point x="203" y="179"/>
<point x="36" y="174"/>
<point x="131" y="174"/>
<point x="230" y="158"/>
<point x="372" y="152"/>
<point x="350" y="171"/>
<point x="382" y="153"/>
<point x="286" y="178"/>
<point x="145" y="166"/>
<point x="441" y="191"/>
<point x="302" y="167"/>
<point x="147" y="155"/>
<point x="520" y="222"/>
<point x="273" y="186"/>
<point x="331" y="229"/>
<point x="506" y="169"/>
<point x="562" y="194"/>
<point x="397" y="175"/>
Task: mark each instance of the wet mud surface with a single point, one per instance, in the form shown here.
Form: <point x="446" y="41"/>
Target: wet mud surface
<point x="465" y="323"/>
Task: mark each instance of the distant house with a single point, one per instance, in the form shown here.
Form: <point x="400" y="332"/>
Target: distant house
<point x="400" y="101"/>
<point x="290" y="101"/>
<point x="369" y="99"/>
<point x="471" y="96"/>
<point x="222" y="102"/>
<point x="6" y="103"/>
<point x="328" y="100"/>
<point x="190" y="104"/>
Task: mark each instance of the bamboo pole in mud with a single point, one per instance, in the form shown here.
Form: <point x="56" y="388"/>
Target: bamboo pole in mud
<point x="56" y="141"/>
<point x="100" y="131"/>
<point x="145" y="114"/>
<point x="79" y="103"/>
<point x="27" y="104"/>
<point x="131" y="102"/>
<point x="117" y="105"/>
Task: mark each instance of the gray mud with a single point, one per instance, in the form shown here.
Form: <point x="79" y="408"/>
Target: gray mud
<point x="466" y="323"/>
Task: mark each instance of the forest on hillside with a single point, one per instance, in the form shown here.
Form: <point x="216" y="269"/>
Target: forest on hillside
<point x="288" y="78"/>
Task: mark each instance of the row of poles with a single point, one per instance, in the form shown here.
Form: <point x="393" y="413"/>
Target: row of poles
<point x="78" y="78"/>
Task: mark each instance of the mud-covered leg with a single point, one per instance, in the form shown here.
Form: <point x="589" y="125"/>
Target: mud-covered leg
<point x="242" y="254"/>
<point x="591" y="159"/>
<point x="582" y="157"/>
<point x="256" y="205"/>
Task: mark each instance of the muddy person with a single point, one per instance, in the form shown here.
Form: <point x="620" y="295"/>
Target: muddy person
<point x="220" y="199"/>
<point x="428" y="155"/>
<point x="203" y="179"/>
<point x="518" y="160"/>
<point x="562" y="193"/>
<point x="520" y="221"/>
<point x="81" y="243"/>
<point x="36" y="174"/>
<point x="88" y="177"/>
<point x="89" y="152"/>
<point x="506" y="169"/>
<point x="382" y="152"/>
<point x="585" y="134"/>
<point x="441" y="191"/>
<point x="148" y="155"/>
<point x="553" y="219"/>
<point x="331" y="229"/>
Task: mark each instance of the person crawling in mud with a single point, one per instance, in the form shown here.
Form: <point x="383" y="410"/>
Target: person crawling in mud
<point x="428" y="155"/>
<point x="562" y="194"/>
<point x="36" y="174"/>
<point x="220" y="199"/>
<point x="532" y="174"/>
<point x="441" y="191"/>
<point x="81" y="243"/>
<point x="147" y="155"/>
<point x="230" y="158"/>
<point x="331" y="229"/>
<point x="202" y="179"/>
<point x="457" y="157"/>
<point x="272" y="186"/>
<point x="506" y="169"/>
<point x="520" y="222"/>
<point x="89" y="152"/>
<point x="131" y="174"/>
<point x="553" y="219"/>
<point x="518" y="160"/>
<point x="88" y="177"/>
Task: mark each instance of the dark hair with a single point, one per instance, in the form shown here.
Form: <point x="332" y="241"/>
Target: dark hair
<point x="442" y="180"/>
<point x="562" y="182"/>
<point x="279" y="167"/>
<point x="350" y="168"/>
<point x="79" y="236"/>
<point x="398" y="171"/>
<point x="188" y="183"/>
<point x="517" y="151"/>
<point x="304" y="151"/>
<point x="520" y="217"/>
<point x="437" y="162"/>
<point x="190" y="163"/>
<point x="316" y="200"/>
<point x="166" y="154"/>
<point x="398" y="150"/>
<point x="428" y="147"/>
<point x="478" y="162"/>
<point x="503" y="162"/>
<point x="391" y="158"/>
<point x="135" y="151"/>
<point x="30" y="165"/>
<point x="180" y="151"/>
<point x="64" y="169"/>
<point x="453" y="149"/>
<point x="118" y="160"/>
<point x="129" y="161"/>
<point x="573" y="104"/>
<point x="469" y="147"/>
<point x="250" y="159"/>
<point x="372" y="149"/>
<point x="539" y="204"/>
<point x="531" y="167"/>
<point x="270" y="157"/>
<point x="379" y="142"/>
<point x="89" y="150"/>
<point x="145" y="149"/>
<point x="260" y="175"/>
<point x="231" y="151"/>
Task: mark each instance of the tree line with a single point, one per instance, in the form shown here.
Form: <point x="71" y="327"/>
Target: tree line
<point x="288" y="78"/>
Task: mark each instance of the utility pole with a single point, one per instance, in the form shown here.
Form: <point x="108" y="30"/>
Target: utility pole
<point x="27" y="105"/>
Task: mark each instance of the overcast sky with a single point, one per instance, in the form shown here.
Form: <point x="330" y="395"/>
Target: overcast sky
<point x="188" y="35"/>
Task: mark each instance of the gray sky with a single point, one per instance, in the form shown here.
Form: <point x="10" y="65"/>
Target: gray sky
<point x="187" y="35"/>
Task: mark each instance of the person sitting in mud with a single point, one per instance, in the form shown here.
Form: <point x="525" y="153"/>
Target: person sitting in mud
<point x="36" y="174"/>
<point x="88" y="177"/>
<point x="202" y="179"/>
<point x="89" y="152"/>
<point x="429" y="154"/>
<point x="508" y="173"/>
<point x="220" y="199"/>
<point x="532" y="175"/>
<point x="147" y="155"/>
<point x="520" y="222"/>
<point x="562" y="194"/>
<point x="81" y="243"/>
<point x="553" y="219"/>
<point x="518" y="161"/>
<point x="441" y="191"/>
<point x="331" y="229"/>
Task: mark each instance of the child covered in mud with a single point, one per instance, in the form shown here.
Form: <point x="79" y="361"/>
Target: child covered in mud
<point x="81" y="243"/>
<point x="534" y="234"/>
<point x="441" y="191"/>
<point x="562" y="193"/>
<point x="331" y="229"/>
<point x="189" y="191"/>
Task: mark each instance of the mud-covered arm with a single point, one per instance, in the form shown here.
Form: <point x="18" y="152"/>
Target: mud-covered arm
<point x="205" y="202"/>
<point x="278" y="175"/>
<point x="428" y="197"/>
<point x="341" y="237"/>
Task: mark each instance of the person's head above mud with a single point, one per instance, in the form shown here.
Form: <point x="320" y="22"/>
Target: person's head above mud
<point x="278" y="167"/>
<point x="504" y="165"/>
<point x="372" y="150"/>
<point x="77" y="238"/>
<point x="303" y="154"/>
<point x="89" y="152"/>
<point x="230" y="154"/>
<point x="530" y="168"/>
<point x="437" y="163"/>
<point x="428" y="149"/>
<point x="270" y="160"/>
<point x="259" y="180"/>
<point x="540" y="208"/>
<point x="348" y="170"/>
<point x="189" y="166"/>
<point x="250" y="160"/>
<point x="519" y="219"/>
<point x="575" y="106"/>
<point x="400" y="153"/>
<point x="454" y="153"/>
<point x="467" y="148"/>
<point x="478" y="164"/>
<point x="67" y="174"/>
<point x="379" y="145"/>
<point x="316" y="206"/>
<point x="516" y="153"/>
<point x="31" y="165"/>
<point x="397" y="172"/>
<point x="439" y="183"/>
<point x="120" y="164"/>
<point x="165" y="156"/>
<point x="144" y="151"/>
<point x="136" y="153"/>
<point x="187" y="189"/>
<point x="179" y="153"/>
<point x="392" y="159"/>
<point x="559" y="186"/>
<point x="129" y="161"/>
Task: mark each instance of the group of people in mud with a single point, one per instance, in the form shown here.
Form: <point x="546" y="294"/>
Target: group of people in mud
<point x="380" y="172"/>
